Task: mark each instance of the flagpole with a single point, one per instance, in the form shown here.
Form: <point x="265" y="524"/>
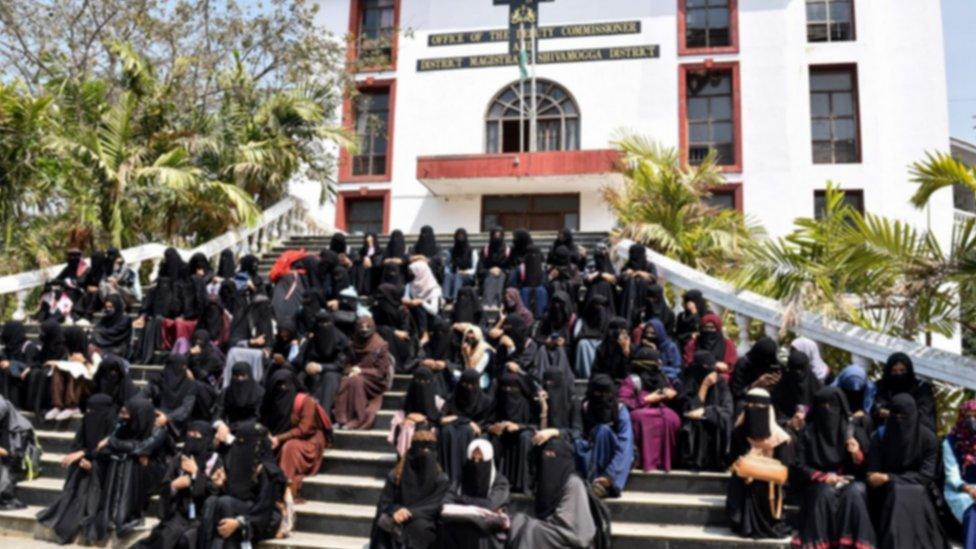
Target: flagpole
<point x="521" y="129"/>
<point x="533" y="124"/>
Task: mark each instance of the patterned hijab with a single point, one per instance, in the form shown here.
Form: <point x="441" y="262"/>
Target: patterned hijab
<point x="965" y="435"/>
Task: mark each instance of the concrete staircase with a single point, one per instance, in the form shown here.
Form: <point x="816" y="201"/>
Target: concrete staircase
<point x="676" y="510"/>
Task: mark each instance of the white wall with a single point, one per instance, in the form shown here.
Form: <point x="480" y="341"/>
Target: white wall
<point x="901" y="77"/>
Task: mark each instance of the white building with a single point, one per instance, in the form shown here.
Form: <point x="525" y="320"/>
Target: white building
<point x="792" y="93"/>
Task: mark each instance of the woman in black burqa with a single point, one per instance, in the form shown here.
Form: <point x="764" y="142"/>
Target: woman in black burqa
<point x="173" y="392"/>
<point x="75" y="509"/>
<point x="901" y="475"/>
<point x="899" y="378"/>
<point x="406" y="515"/>
<point x="324" y="357"/>
<point x="705" y="403"/>
<point x="830" y="470"/>
<point x="515" y="421"/>
<point x="465" y="417"/>
<point x="137" y="452"/>
<point x="480" y="488"/>
<point x="248" y="487"/>
<point x="186" y="487"/>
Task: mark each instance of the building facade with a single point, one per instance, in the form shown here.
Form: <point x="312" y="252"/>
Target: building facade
<point x="788" y="93"/>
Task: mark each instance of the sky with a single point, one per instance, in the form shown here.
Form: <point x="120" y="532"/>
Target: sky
<point x="959" y="27"/>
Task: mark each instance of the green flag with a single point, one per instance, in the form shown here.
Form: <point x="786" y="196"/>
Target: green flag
<point x="523" y="63"/>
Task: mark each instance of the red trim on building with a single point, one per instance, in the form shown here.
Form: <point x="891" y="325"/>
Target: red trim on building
<point x="710" y="65"/>
<point x="735" y="189"/>
<point x="349" y="122"/>
<point x="517" y="164"/>
<point x="351" y="195"/>
<point x="352" y="49"/>
<point x="683" y="49"/>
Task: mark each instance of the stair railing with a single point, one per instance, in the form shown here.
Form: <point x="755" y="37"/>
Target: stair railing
<point x="280" y="221"/>
<point x="865" y="346"/>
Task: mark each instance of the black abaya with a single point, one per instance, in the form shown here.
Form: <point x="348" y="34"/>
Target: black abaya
<point x="703" y="443"/>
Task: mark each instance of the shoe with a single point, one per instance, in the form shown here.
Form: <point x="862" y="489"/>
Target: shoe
<point x="66" y="414"/>
<point x="51" y="414"/>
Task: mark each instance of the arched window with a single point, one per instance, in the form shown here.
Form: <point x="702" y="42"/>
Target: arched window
<point x="558" y="119"/>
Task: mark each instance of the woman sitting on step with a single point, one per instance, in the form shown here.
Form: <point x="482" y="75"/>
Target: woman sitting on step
<point x="474" y="512"/>
<point x="244" y="510"/>
<point x="492" y="267"/>
<point x="959" y="461"/>
<point x="421" y="410"/>
<point x="299" y="426"/>
<point x="705" y="403"/>
<point x="648" y="395"/>
<point x="368" y="375"/>
<point x="465" y="417"/>
<point x="562" y="507"/>
<point x="409" y="505"/>
<point x="73" y="511"/>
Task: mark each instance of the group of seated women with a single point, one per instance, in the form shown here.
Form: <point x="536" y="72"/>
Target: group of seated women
<point x="257" y="373"/>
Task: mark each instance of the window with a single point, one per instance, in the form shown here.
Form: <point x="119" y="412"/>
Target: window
<point x="377" y="23"/>
<point x="833" y="115"/>
<point x="830" y="20"/>
<point x="853" y="198"/>
<point x="710" y="116"/>
<point x="725" y="197"/>
<point x="707" y="24"/>
<point x="558" y="119"/>
<point x="372" y="111"/>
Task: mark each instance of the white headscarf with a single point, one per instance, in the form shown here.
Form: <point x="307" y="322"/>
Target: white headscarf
<point x="776" y="436"/>
<point x="487" y="454"/>
<point x="809" y="348"/>
<point x="424" y="284"/>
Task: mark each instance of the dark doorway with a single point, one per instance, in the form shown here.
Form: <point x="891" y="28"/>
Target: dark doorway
<point x="536" y="212"/>
<point x="364" y="215"/>
<point x="510" y="136"/>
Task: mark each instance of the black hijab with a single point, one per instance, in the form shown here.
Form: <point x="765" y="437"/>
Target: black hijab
<point x="243" y="458"/>
<point x="645" y="363"/>
<point x="340" y="280"/>
<point x="469" y="401"/>
<point x="279" y="401"/>
<point x="595" y="318"/>
<point x="52" y="341"/>
<point x="656" y="306"/>
<point x="242" y="397"/>
<point x="420" y="395"/>
<point x="558" y="315"/>
<point x="461" y="251"/>
<point x="174" y="385"/>
<point x="207" y="362"/>
<point x="797" y="386"/>
<point x="13" y="337"/>
<point x="199" y="262"/>
<point x="756" y="420"/>
<point x="600" y="407"/>
<point x="514" y="399"/>
<point x="101" y="415"/>
<point x="762" y="357"/>
<point x="114" y="330"/>
<point x="142" y="419"/>
<point x="517" y="329"/>
<point x="172" y="267"/>
<point x="610" y="357"/>
<point x="420" y="472"/>
<point x="602" y="262"/>
<point x="70" y="270"/>
<point x="364" y="250"/>
<point x="496" y="254"/>
<point x="702" y="364"/>
<point x="338" y="243"/>
<point x="559" y="398"/>
<point x="825" y="437"/>
<point x="96" y="269"/>
<point x="467" y="307"/>
<point x="75" y="341"/>
<point x="560" y="256"/>
<point x="111" y="379"/>
<point x="902" y="445"/>
<point x="556" y="462"/>
<point x="200" y="449"/>
<point x="386" y="309"/>
<point x="891" y="384"/>
<point x="532" y="272"/>
<point x="521" y="241"/>
<point x="249" y="265"/>
<point x="476" y="481"/>
<point x="323" y="345"/>
<point x="426" y="242"/>
<point x="396" y="246"/>
<point x="226" y="268"/>
<point x="710" y="340"/>
<point x="637" y="259"/>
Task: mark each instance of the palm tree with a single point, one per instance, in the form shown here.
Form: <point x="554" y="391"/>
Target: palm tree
<point x="663" y="204"/>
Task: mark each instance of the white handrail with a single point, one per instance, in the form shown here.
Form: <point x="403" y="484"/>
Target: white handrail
<point x="864" y="345"/>
<point x="277" y="222"/>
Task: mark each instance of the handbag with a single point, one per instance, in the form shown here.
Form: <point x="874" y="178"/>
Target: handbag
<point x="751" y="467"/>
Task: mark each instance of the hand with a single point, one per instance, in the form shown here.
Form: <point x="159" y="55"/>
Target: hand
<point x="711" y="379"/>
<point x="102" y="444"/>
<point x="77" y="357"/>
<point x="877" y="479"/>
<point x="161" y="419"/>
<point x="495" y="271"/>
<point x="884" y="413"/>
<point x="278" y="359"/>
<point x="274" y="443"/>
<point x="189" y="465"/>
<point x="497" y="428"/>
<point x="669" y="393"/>
<point x="227" y="527"/>
<point x="223" y="431"/>
<point x="195" y="350"/>
<point x="355" y="371"/>
<point x="180" y="482"/>
<point x="853" y="446"/>
<point x="447" y="420"/>
<point x="402" y="334"/>
<point x="23" y="375"/>
<point x="144" y="461"/>
<point x="139" y="322"/>
<point x="653" y="398"/>
<point x="402" y="515"/>
<point x="768" y="380"/>
<point x="970" y="489"/>
<point x="219" y="478"/>
<point x="258" y="341"/>
<point x="475" y="429"/>
<point x="367" y="262"/>
<point x="68" y="459"/>
<point x="833" y="479"/>
<point x="417" y="418"/>
<point x="4" y="364"/>
<point x="697" y="413"/>
<point x="511" y="427"/>
<point x="722" y="367"/>
<point x="84" y="465"/>
<point x="313" y="368"/>
<point x="495" y="333"/>
<point x="506" y="341"/>
<point x="798" y="421"/>
<point x="543" y="436"/>
<point x="624" y="340"/>
<point x="513" y="367"/>
<point x="332" y="304"/>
